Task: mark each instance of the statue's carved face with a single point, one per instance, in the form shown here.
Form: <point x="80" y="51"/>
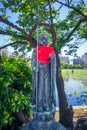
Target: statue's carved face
<point x="43" y="40"/>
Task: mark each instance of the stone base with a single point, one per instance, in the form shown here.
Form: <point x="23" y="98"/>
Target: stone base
<point x="81" y="124"/>
<point x="42" y="125"/>
<point x="43" y="121"/>
<point x="44" y="116"/>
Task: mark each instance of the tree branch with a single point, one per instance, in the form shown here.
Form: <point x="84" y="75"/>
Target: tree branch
<point x="51" y="18"/>
<point x="59" y="8"/>
<point x="10" y="34"/>
<point x="27" y="38"/>
<point x="11" y="24"/>
<point x="80" y="12"/>
<point x="3" y="33"/>
<point x="18" y="42"/>
<point x="74" y="29"/>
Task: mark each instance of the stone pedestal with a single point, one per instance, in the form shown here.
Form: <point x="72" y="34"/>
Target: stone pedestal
<point x="43" y="121"/>
<point x="41" y="125"/>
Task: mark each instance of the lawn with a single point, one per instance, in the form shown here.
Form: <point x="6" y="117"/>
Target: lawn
<point x="76" y="74"/>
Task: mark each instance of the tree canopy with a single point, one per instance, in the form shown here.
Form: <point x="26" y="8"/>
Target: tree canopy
<point x="17" y="17"/>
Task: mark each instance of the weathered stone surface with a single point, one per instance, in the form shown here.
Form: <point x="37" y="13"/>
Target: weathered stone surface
<point x="81" y="124"/>
<point x="43" y="121"/>
<point x="42" y="125"/>
<point x="44" y="115"/>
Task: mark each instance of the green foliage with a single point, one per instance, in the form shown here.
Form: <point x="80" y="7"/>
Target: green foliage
<point x="75" y="93"/>
<point x="15" y="88"/>
<point x="27" y="13"/>
<point x="65" y="65"/>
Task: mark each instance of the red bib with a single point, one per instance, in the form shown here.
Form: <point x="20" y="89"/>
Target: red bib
<point x="42" y="53"/>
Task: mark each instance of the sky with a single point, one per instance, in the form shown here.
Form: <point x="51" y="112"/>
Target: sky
<point x="82" y="49"/>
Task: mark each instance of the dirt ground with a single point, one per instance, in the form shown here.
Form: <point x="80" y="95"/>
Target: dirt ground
<point x="79" y="111"/>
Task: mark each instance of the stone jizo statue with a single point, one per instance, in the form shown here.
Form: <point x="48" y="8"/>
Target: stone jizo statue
<point x="43" y="75"/>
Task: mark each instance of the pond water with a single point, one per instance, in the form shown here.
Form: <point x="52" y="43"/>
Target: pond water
<point x="76" y="94"/>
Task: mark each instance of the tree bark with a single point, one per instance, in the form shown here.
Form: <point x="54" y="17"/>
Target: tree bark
<point x="65" y="113"/>
<point x="0" y="58"/>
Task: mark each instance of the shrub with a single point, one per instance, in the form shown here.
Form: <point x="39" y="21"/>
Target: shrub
<point x="15" y="88"/>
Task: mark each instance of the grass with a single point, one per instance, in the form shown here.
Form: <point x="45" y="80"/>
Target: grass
<point x="77" y="74"/>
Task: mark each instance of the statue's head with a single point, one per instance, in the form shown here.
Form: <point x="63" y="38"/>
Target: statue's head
<point x="43" y="40"/>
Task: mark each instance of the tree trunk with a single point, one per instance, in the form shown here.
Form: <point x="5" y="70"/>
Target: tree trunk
<point x="20" y="116"/>
<point x="66" y="113"/>
<point x="0" y="59"/>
